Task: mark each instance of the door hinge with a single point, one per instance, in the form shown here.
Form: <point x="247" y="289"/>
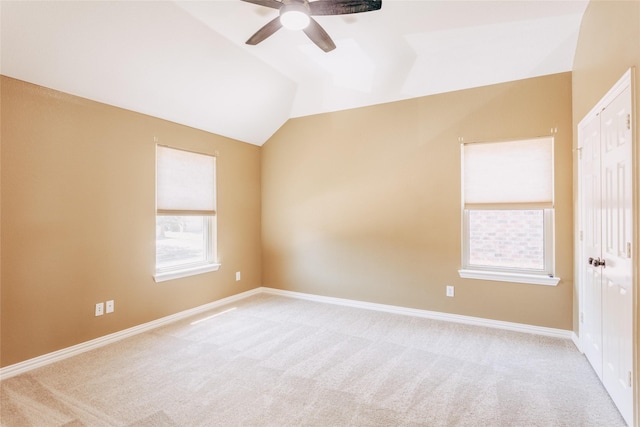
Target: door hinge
<point x="629" y="121"/>
<point x="628" y="249"/>
<point x="581" y="235"/>
<point x="581" y="317"/>
<point x="630" y="380"/>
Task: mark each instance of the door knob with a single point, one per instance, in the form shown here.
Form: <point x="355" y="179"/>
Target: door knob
<point x="596" y="262"/>
<point x="591" y="260"/>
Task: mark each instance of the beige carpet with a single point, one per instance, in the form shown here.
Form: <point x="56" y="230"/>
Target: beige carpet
<point x="276" y="361"/>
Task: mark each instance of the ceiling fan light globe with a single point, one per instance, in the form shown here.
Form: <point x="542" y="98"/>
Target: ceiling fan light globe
<point x="294" y="20"/>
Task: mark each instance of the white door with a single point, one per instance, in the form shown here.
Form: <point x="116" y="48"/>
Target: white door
<point x="606" y="240"/>
<point x="591" y="313"/>
<point x="617" y="271"/>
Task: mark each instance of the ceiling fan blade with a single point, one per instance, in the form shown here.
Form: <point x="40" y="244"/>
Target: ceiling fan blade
<point x="319" y="36"/>
<point x="274" y="4"/>
<point x="264" y="32"/>
<point x="342" y="7"/>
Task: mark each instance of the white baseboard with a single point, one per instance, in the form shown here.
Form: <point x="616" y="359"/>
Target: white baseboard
<point x="46" y="359"/>
<point x="435" y="315"/>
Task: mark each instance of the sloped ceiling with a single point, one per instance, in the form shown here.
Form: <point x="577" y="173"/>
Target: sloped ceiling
<point x="186" y="61"/>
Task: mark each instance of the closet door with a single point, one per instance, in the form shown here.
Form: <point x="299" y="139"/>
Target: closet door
<point x="606" y="241"/>
<point x="617" y="271"/>
<point x="591" y="236"/>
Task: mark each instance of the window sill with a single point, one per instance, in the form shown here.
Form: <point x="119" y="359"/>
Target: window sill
<point x="176" y="274"/>
<point x="531" y="279"/>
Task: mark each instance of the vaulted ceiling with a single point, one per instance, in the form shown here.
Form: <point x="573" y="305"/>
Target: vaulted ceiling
<point x="186" y="61"/>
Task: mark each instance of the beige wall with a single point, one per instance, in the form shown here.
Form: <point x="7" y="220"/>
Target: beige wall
<point x="78" y="223"/>
<point x="365" y="203"/>
<point x="608" y="45"/>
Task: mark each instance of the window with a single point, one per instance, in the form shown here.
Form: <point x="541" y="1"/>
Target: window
<point x="185" y="213"/>
<point x="507" y="219"/>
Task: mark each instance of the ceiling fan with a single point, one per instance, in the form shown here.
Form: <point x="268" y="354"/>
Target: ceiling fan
<point x="297" y="15"/>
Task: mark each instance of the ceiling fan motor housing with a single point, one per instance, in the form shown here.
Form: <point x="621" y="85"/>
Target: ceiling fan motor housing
<point x="298" y="5"/>
<point x="294" y="14"/>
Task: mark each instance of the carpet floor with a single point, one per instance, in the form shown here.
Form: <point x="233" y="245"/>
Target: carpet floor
<point x="276" y="361"/>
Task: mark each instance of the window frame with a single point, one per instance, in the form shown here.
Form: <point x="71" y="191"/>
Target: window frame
<point x="544" y="276"/>
<point x="209" y="262"/>
<point x="198" y="267"/>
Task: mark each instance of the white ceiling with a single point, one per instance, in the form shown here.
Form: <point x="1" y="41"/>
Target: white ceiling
<point x="187" y="61"/>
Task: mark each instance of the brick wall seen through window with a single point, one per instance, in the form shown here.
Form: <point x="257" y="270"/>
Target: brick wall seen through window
<point x="507" y="238"/>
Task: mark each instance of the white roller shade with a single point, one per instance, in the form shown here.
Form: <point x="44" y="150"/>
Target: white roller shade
<point x="185" y="182"/>
<point x="515" y="172"/>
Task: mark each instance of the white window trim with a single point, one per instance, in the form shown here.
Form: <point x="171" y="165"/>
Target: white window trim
<point x="546" y="277"/>
<point x="192" y="207"/>
<point x="501" y="276"/>
<point x="185" y="272"/>
<point x="206" y="266"/>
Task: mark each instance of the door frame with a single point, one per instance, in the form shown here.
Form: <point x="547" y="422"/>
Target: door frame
<point x="627" y="79"/>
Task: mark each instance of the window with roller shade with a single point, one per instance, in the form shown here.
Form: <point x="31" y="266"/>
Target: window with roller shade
<point x="185" y="213"/>
<point x="507" y="192"/>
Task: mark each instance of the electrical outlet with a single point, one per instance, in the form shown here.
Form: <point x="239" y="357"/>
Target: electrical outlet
<point x="109" y="306"/>
<point x="450" y="291"/>
<point x="99" y="309"/>
<point x="237" y="276"/>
